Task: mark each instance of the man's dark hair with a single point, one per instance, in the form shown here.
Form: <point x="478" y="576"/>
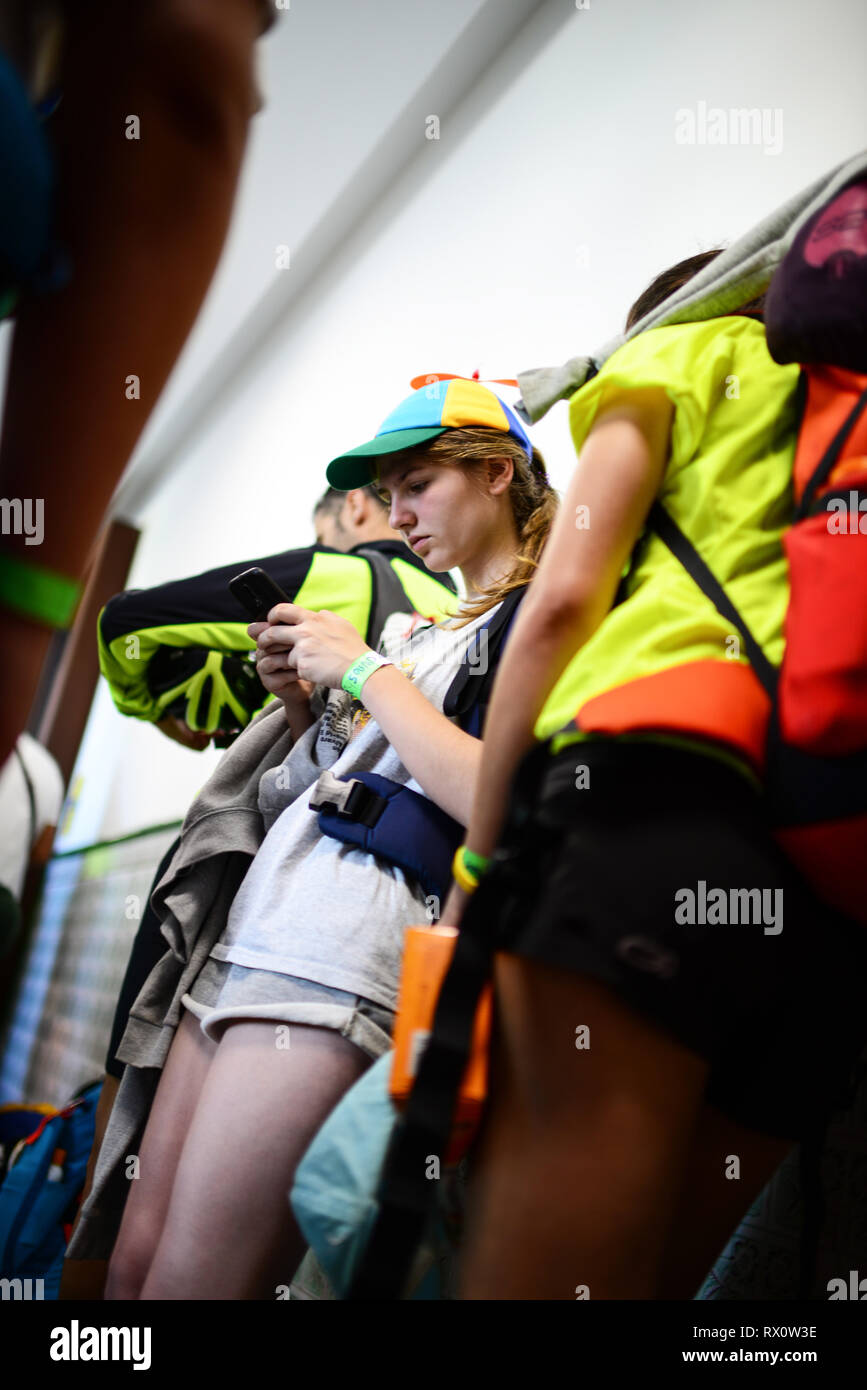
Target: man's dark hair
<point x="332" y="500"/>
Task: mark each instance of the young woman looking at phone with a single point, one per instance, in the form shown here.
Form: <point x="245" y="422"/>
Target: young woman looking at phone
<point x="313" y="938"/>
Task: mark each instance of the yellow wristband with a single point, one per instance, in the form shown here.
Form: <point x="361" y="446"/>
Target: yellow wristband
<point x="461" y="876"/>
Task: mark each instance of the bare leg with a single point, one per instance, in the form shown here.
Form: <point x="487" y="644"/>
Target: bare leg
<point x="229" y="1232"/>
<point x="712" y="1204"/>
<point x="174" y="1103"/>
<point x="581" y="1163"/>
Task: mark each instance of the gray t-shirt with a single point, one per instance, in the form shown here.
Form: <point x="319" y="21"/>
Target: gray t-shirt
<point x="309" y="905"/>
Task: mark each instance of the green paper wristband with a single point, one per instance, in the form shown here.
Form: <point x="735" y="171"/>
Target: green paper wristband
<point x="35" y="592"/>
<point x="358" y="672"/>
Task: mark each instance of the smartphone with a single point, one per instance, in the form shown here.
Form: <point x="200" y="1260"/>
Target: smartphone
<point x="257" y="593"/>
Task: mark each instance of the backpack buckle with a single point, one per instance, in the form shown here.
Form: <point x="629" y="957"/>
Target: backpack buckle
<point x="351" y="799"/>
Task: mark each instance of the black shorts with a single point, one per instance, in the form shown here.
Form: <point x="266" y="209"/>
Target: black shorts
<point x="615" y="879"/>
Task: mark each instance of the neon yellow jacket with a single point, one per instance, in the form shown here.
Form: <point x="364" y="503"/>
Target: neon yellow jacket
<point x="182" y="646"/>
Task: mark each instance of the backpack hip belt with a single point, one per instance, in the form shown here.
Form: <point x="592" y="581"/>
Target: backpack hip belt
<point x="392" y="821"/>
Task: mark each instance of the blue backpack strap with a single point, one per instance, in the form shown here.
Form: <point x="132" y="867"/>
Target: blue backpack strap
<point x="395" y="822"/>
<point x="392" y="821"/>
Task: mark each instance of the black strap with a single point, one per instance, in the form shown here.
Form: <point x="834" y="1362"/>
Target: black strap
<point x="388" y="594"/>
<point x="406" y="1193"/>
<point x="468" y="695"/>
<point x="830" y="457"/>
<point x="683" y="550"/>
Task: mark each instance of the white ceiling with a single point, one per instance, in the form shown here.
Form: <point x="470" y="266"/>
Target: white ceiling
<point x="348" y="87"/>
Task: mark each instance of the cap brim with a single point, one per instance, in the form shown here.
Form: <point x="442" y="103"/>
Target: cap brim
<point x="355" y="468"/>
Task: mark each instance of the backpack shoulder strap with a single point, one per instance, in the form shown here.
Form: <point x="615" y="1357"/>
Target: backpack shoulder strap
<point x="405" y="1195"/>
<point x="469" y="693"/>
<point x="388" y="594"/>
<point x="683" y="550"/>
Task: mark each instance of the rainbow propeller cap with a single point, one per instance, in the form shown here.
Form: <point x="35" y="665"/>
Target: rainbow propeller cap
<point x="427" y="413"/>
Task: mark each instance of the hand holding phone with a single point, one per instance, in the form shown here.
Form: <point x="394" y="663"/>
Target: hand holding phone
<point x="257" y="593"/>
<point x="330" y="642"/>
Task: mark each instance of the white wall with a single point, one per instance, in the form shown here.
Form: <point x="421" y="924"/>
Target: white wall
<point x="555" y="193"/>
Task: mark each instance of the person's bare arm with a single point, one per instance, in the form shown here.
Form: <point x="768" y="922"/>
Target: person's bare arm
<point x="299" y="716"/>
<point x="285" y="684"/>
<point x="144" y="221"/>
<point x="180" y="732"/>
<point x="617" y="477"/>
<point x="439" y="755"/>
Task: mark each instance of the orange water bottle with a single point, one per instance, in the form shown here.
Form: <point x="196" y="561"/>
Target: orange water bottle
<point x="427" y="954"/>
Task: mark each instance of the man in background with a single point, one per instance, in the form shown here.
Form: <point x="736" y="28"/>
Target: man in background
<point x="177" y="655"/>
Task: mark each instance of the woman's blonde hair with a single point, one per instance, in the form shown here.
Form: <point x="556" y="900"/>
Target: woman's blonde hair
<point x="534" y="501"/>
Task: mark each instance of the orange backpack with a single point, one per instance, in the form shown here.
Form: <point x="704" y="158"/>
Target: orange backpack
<point x="816" y="752"/>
